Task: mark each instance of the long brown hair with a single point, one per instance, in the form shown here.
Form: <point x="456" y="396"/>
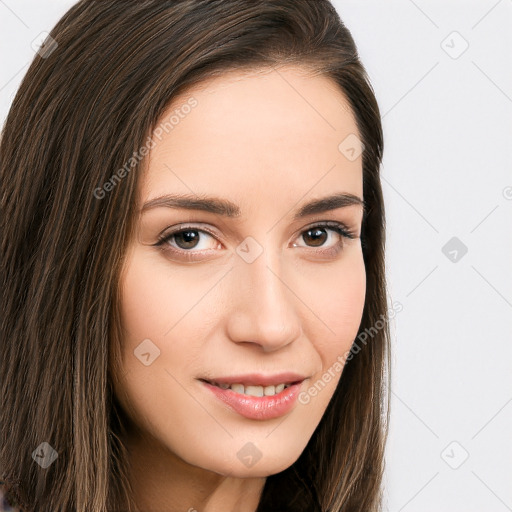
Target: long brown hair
<point x="84" y="108"/>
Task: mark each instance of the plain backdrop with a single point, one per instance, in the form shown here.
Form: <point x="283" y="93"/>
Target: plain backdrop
<point x="442" y="75"/>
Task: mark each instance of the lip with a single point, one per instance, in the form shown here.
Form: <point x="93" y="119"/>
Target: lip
<point x="255" y="407"/>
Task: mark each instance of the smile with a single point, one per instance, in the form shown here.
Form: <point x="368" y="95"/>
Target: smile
<point x="258" y="398"/>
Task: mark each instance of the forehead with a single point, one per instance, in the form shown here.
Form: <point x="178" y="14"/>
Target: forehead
<point x="276" y="130"/>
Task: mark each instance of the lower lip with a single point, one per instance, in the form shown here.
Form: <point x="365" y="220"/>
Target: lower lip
<point x="258" y="407"/>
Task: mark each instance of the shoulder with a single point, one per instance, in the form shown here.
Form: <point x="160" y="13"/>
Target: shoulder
<point x="5" y="506"/>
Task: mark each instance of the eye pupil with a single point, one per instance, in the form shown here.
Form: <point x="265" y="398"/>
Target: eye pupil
<point x="186" y="239"/>
<point x="317" y="234"/>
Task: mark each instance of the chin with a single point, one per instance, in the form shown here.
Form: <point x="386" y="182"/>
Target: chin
<point x="250" y="462"/>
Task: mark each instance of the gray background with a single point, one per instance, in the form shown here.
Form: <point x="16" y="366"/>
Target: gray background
<point x="447" y="172"/>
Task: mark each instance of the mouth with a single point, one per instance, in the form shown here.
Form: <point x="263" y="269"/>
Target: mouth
<point x="253" y="390"/>
<point x="255" y="396"/>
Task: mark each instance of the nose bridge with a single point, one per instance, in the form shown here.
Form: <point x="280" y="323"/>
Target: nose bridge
<point x="264" y="307"/>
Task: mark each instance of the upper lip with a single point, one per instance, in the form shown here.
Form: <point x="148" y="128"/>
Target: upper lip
<point x="258" y="379"/>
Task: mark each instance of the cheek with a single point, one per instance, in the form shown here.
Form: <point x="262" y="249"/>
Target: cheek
<point x="337" y="301"/>
<point x="156" y="302"/>
<point x="162" y="316"/>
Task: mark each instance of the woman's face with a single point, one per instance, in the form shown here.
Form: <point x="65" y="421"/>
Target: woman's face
<point x="252" y="294"/>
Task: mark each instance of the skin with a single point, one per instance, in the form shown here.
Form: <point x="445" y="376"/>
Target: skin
<point x="268" y="141"/>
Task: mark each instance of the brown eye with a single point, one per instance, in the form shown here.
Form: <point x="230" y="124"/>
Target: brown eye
<point x="315" y="237"/>
<point x="186" y="239"/>
<point x="328" y="237"/>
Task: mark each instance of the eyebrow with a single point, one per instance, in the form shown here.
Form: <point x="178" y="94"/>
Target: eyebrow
<point x="226" y="208"/>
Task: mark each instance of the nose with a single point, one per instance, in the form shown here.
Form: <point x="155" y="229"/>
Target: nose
<point x="263" y="309"/>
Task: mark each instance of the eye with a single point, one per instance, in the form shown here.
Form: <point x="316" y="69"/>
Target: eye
<point x="328" y="234"/>
<point x="189" y="238"/>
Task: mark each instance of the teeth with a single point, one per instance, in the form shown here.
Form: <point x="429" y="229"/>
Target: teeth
<point x="258" y="391"/>
<point x="280" y="388"/>
<point x="238" y="388"/>
<point x="253" y="390"/>
<point x="269" y="390"/>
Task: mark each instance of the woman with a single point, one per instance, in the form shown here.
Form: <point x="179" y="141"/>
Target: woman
<point x="193" y="247"/>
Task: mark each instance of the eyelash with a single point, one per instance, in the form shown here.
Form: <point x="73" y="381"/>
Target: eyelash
<point x="190" y="255"/>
